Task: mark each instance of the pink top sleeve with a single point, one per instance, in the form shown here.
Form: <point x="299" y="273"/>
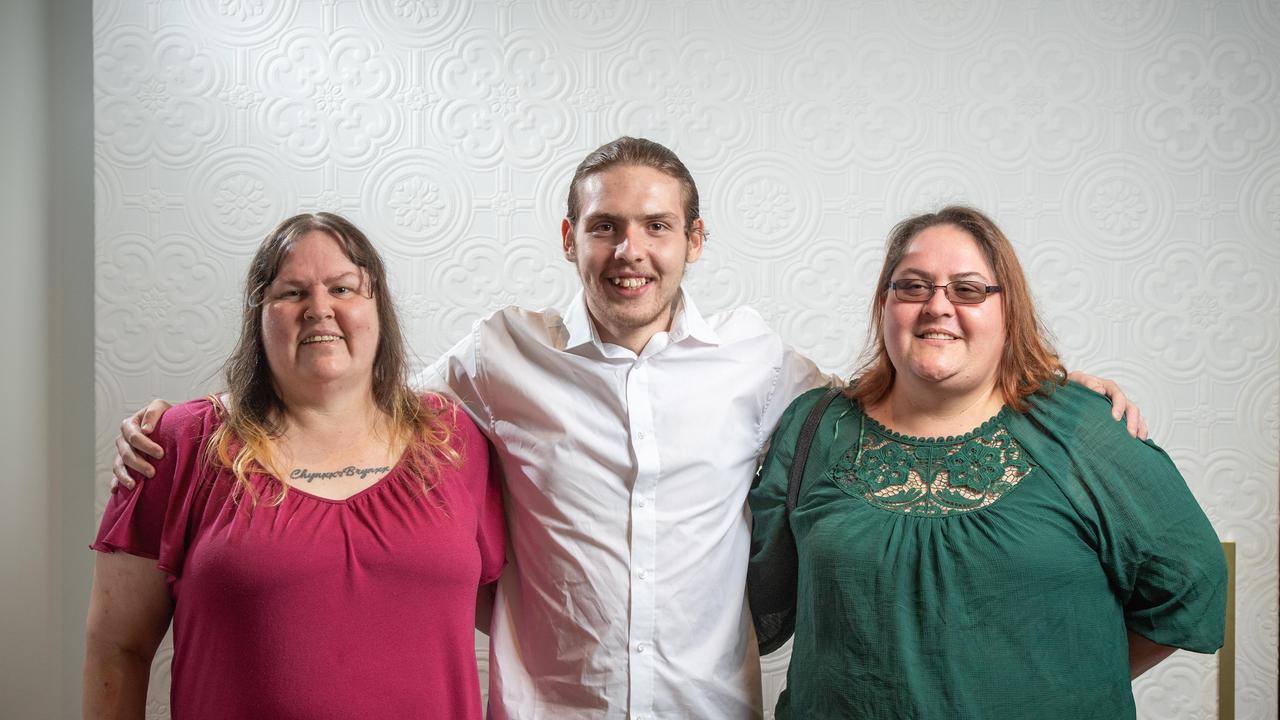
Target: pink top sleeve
<point x="491" y="526"/>
<point x="485" y="480"/>
<point x="151" y="520"/>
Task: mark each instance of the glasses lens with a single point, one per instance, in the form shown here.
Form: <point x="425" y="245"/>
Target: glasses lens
<point x="963" y="291"/>
<point x="913" y="289"/>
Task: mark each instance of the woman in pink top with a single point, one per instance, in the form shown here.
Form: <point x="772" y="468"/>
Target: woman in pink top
<point x="317" y="539"/>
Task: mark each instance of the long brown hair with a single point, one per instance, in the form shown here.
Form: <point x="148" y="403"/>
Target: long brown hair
<point x="245" y="442"/>
<point x="1028" y="360"/>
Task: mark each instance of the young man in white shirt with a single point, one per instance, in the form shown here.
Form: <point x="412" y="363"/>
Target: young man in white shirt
<point x="628" y="429"/>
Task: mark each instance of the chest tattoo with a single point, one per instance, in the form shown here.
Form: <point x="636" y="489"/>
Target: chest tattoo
<point x="346" y="472"/>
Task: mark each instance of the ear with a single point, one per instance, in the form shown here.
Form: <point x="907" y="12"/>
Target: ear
<point x="697" y="236"/>
<point x="566" y="239"/>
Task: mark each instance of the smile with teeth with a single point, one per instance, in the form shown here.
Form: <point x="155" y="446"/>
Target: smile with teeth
<point x="629" y="282"/>
<point x="321" y="338"/>
<point x="936" y="335"/>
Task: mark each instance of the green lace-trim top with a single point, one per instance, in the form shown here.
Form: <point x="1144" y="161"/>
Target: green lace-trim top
<point x="990" y="576"/>
<point x="932" y="476"/>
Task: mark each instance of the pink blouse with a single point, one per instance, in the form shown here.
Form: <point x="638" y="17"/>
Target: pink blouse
<point x="316" y="608"/>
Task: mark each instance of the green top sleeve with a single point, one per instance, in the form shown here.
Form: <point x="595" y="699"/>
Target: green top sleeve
<point x="1155" y="544"/>
<point x="771" y="574"/>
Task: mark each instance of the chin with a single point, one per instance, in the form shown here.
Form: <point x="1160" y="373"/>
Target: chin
<point x="632" y="324"/>
<point x="935" y="375"/>
<point x="325" y="374"/>
<point x="632" y="315"/>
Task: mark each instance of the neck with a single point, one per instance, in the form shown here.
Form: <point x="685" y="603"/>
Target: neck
<point x="331" y="412"/>
<point x="933" y="412"/>
<point x="633" y="338"/>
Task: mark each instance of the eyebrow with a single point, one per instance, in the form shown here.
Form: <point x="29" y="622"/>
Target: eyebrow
<point x="958" y="276"/>
<point x="614" y="217"/>
<point x="327" y="281"/>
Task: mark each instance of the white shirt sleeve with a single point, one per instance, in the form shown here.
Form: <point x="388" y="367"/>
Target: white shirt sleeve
<point x="458" y="374"/>
<point x="797" y="374"/>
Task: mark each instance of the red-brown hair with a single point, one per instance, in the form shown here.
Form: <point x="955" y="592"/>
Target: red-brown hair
<point x="1028" y="360"/>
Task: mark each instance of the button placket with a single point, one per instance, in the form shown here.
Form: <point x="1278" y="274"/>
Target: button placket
<point x="643" y="538"/>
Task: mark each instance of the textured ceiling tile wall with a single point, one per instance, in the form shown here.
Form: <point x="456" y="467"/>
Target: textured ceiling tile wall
<point x="1129" y="149"/>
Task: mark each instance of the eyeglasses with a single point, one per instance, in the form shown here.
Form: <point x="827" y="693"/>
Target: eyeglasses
<point x="960" y="292"/>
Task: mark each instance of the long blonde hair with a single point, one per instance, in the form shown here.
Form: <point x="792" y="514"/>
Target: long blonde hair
<point x="245" y="442"/>
<point x="1029" y="359"/>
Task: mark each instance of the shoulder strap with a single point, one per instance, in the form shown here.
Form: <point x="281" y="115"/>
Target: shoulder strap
<point x="810" y="428"/>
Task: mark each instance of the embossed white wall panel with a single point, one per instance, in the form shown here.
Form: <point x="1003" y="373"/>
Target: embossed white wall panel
<point x="1128" y="148"/>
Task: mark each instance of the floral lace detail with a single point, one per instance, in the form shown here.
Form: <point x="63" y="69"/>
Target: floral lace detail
<point x="932" y="476"/>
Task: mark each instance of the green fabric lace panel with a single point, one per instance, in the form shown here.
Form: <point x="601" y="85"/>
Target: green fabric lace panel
<point x="932" y="476"/>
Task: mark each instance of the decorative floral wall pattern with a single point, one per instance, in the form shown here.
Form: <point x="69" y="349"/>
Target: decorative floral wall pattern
<point x="1129" y="149"/>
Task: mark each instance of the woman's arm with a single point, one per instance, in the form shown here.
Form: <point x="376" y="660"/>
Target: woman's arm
<point x="485" y="595"/>
<point x="1157" y="548"/>
<point x="1144" y="654"/>
<point x="129" y="611"/>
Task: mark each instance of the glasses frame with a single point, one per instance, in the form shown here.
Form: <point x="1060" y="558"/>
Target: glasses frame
<point x="946" y="290"/>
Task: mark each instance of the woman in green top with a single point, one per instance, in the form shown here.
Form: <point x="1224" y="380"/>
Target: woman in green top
<point x="973" y="536"/>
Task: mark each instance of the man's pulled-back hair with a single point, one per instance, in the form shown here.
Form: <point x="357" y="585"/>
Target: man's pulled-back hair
<point x="641" y="152"/>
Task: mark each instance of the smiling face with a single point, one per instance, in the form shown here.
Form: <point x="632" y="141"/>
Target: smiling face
<point x="937" y="344"/>
<point x="319" y="325"/>
<point x="630" y="247"/>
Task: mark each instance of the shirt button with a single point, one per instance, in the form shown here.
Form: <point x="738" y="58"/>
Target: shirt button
<point x="644" y="574"/>
<point x="642" y="502"/>
<point x="640" y="434"/>
<point x="640" y="648"/>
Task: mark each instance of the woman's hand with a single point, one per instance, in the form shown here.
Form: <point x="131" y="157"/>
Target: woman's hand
<point x="133" y="444"/>
<point x="129" y="612"/>
<point x="1120" y="405"/>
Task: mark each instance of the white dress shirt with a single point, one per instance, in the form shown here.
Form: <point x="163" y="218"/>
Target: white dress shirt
<point x="626" y="478"/>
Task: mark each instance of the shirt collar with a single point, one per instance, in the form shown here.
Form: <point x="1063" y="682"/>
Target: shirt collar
<point x="687" y="322"/>
<point x="577" y="322"/>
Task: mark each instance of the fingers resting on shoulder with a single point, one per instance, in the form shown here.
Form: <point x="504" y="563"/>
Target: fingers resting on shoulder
<point x="134" y="447"/>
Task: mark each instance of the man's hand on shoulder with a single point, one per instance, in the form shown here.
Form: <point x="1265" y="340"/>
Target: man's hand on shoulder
<point x="1120" y="405"/>
<point x="133" y="447"/>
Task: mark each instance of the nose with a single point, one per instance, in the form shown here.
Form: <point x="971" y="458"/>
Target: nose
<point x="939" y="305"/>
<point x="319" y="305"/>
<point x="631" y="248"/>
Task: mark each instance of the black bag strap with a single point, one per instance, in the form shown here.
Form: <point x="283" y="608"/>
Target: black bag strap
<point x="810" y="428"/>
